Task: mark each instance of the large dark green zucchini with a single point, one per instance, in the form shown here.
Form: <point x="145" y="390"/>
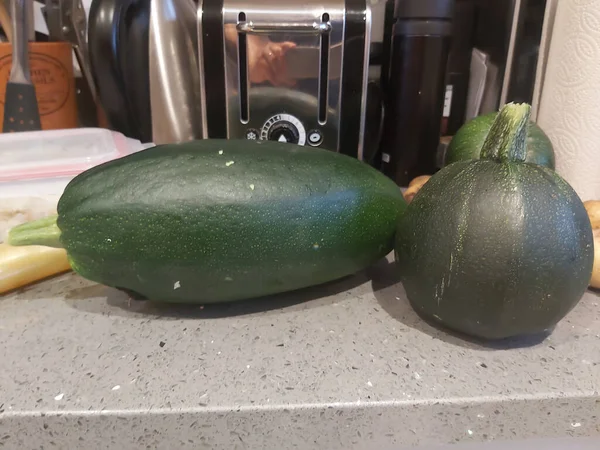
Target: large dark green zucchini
<point x="496" y="247"/>
<point x="213" y="221"/>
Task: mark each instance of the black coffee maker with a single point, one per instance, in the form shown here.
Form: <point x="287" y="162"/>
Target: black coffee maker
<point x="414" y="82"/>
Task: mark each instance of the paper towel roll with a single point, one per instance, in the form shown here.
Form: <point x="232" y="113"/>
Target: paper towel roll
<point x="569" y="109"/>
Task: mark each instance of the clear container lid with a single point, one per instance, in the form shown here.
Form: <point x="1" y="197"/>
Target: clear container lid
<point x="60" y="153"/>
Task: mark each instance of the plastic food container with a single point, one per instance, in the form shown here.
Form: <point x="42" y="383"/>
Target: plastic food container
<point x="41" y="163"/>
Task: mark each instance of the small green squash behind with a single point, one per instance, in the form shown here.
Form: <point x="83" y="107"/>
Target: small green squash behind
<point x="495" y="247"/>
<point x="469" y="139"/>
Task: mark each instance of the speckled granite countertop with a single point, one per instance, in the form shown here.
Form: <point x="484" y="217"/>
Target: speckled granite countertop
<point x="345" y="366"/>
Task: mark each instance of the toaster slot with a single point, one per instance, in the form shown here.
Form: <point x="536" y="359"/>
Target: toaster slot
<point x="243" y="72"/>
<point x="324" y="71"/>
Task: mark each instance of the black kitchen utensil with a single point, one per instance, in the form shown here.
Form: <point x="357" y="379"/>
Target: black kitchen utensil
<point x="415" y="87"/>
<point x="67" y="21"/>
<point x="21" y="111"/>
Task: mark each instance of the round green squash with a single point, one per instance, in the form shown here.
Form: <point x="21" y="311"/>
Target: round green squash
<point x="468" y="142"/>
<point x="496" y="248"/>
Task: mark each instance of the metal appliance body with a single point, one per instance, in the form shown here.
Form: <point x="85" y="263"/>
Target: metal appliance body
<point x="287" y="71"/>
<point x="174" y="79"/>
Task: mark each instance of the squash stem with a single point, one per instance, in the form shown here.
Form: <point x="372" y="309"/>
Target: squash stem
<point x="507" y="138"/>
<point x="43" y="232"/>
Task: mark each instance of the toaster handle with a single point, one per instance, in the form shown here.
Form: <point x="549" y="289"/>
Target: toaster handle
<point x="266" y="28"/>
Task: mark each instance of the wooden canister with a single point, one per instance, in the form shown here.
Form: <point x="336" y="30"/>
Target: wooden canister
<point x="51" y="65"/>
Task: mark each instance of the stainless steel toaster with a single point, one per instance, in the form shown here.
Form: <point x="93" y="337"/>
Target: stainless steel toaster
<point x="286" y="71"/>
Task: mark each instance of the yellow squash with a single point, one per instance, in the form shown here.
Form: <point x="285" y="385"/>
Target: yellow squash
<point x="20" y="266"/>
<point x="593" y="210"/>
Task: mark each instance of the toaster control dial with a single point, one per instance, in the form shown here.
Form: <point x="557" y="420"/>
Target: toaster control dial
<point x="284" y="128"/>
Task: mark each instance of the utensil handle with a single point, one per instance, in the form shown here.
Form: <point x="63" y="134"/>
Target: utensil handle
<point x="265" y="28"/>
<point x="30" y="20"/>
<point x="19" y="71"/>
<point x="74" y="21"/>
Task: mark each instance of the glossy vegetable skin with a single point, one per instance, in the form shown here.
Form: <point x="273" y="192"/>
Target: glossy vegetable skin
<point x="214" y="221"/>
<point x="21" y="266"/>
<point x="468" y="142"/>
<point x="496" y="247"/>
<point x="593" y="209"/>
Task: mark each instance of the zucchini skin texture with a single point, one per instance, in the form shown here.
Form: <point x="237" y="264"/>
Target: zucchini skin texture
<point x="495" y="250"/>
<point x="222" y="220"/>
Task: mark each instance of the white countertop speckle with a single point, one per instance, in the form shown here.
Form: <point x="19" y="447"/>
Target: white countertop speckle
<point x="341" y="366"/>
